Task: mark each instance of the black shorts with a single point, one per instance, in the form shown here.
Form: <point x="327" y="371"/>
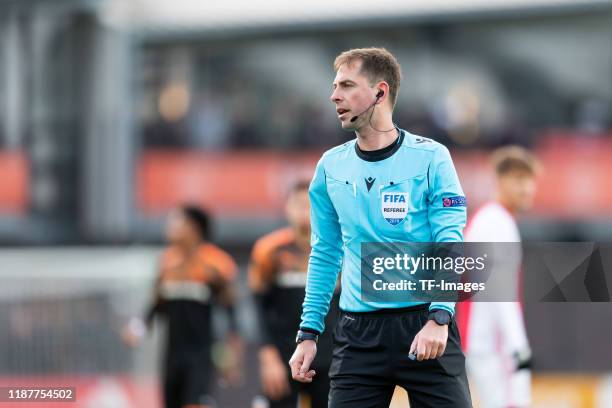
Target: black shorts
<point x="187" y="377"/>
<point x="371" y="357"/>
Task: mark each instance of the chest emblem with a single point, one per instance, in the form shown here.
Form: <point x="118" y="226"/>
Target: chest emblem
<point x="394" y="207"/>
<point x="369" y="182"/>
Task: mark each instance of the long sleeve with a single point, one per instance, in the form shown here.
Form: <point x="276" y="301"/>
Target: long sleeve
<point x="155" y="307"/>
<point x="326" y="254"/>
<point x="447" y="206"/>
<point x="261" y="270"/>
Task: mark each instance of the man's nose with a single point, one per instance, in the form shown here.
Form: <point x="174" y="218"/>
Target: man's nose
<point x="335" y="96"/>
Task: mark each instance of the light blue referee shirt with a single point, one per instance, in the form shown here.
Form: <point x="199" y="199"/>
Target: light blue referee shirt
<point x="409" y="192"/>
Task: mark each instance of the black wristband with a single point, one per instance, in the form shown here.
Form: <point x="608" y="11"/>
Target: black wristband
<point x="309" y="330"/>
<point x="442" y="317"/>
<point x="302" y="336"/>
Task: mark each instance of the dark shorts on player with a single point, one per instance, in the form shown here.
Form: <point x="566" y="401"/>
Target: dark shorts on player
<point x="371" y="357"/>
<point x="187" y="378"/>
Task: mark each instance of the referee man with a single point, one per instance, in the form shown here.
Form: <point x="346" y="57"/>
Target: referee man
<point x="373" y="341"/>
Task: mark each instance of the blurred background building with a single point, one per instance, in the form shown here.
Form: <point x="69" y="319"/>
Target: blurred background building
<point x="114" y="111"/>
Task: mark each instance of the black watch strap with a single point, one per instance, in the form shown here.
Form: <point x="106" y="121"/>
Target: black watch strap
<point x="306" y="335"/>
<point x="440" y="316"/>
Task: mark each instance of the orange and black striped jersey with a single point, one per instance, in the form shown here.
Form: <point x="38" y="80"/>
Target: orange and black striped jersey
<point x="191" y="277"/>
<point x="277" y="260"/>
<point x="277" y="276"/>
<point x="185" y="289"/>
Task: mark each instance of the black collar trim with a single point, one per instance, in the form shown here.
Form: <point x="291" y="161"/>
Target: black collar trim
<point x="381" y="154"/>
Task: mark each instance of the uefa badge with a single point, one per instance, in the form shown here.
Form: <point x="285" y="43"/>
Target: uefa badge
<point x="394" y="207"/>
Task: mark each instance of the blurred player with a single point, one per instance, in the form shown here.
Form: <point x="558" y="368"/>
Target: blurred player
<point x="497" y="350"/>
<point x="277" y="276"/>
<point x="193" y="273"/>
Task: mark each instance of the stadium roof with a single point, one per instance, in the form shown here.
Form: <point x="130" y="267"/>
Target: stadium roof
<point x="210" y="16"/>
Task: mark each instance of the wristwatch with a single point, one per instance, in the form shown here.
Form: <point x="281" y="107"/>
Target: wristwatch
<point x="440" y="316"/>
<point x="303" y="335"/>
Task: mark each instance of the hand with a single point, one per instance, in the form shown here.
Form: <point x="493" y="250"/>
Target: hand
<point x="133" y="332"/>
<point x="231" y="372"/>
<point x="430" y="342"/>
<point x="301" y="360"/>
<point x="523" y="359"/>
<point x="274" y="378"/>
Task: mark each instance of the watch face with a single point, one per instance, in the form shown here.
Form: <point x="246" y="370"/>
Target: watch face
<point x="442" y="317"/>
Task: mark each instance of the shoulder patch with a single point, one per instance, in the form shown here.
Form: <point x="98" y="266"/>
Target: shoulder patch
<point x="456" y="201"/>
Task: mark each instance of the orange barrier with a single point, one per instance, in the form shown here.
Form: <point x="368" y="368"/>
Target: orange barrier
<point x="250" y="183"/>
<point x="14" y="182"/>
<point x="574" y="182"/>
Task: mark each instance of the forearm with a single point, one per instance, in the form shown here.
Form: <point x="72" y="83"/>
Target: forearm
<point x="265" y="316"/>
<point x="326" y="254"/>
<point x="324" y="267"/>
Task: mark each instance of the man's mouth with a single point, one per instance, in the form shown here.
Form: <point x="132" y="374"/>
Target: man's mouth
<point x="341" y="111"/>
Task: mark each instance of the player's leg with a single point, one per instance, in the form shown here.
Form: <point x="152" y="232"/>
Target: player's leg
<point x="172" y="378"/>
<point x="514" y="340"/>
<point x="486" y="365"/>
<point x="172" y="394"/>
<point x="197" y="369"/>
<point x="520" y="389"/>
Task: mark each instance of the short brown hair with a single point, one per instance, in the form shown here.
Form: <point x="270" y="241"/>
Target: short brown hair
<point x="511" y="158"/>
<point x="377" y="64"/>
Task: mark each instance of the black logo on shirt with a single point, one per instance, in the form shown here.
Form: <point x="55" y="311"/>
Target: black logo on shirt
<point x="369" y="182"/>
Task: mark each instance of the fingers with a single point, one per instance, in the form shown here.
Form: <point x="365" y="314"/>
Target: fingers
<point x="441" y="350"/>
<point x="305" y="368"/>
<point x="427" y="349"/>
<point x="430" y="342"/>
<point x="422" y="350"/>
<point x="433" y="352"/>
<point x="305" y="374"/>
<point x="422" y="347"/>
<point x="299" y="368"/>
<point x="414" y="344"/>
<point x="301" y="360"/>
<point x="305" y="377"/>
<point x="295" y="363"/>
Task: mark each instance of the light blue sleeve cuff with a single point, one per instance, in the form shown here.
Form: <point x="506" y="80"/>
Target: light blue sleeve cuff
<point x="448" y="306"/>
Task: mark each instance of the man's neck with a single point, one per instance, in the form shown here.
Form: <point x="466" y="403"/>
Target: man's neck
<point x="188" y="248"/>
<point x="369" y="138"/>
